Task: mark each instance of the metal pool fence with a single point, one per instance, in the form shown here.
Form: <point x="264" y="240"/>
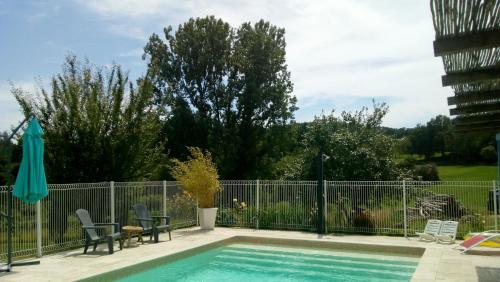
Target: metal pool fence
<point x="375" y="207"/>
<point x="51" y="225"/>
<point x="268" y="204"/>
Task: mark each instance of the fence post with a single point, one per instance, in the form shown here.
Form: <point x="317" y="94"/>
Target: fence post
<point x="164" y="202"/>
<point x="324" y="205"/>
<point x="257" y="199"/>
<point x="495" y="204"/>
<point x="320" y="196"/>
<point x="497" y="186"/>
<point x="112" y="204"/>
<point x="404" y="210"/>
<point x="38" y="229"/>
<point x="197" y="214"/>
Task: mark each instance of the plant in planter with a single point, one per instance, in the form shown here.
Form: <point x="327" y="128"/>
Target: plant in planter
<point x="198" y="176"/>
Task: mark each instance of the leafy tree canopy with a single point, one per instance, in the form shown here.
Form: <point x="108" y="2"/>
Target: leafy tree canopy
<point x="10" y="156"/>
<point x="356" y="146"/>
<point x="438" y="136"/>
<point x="98" y="125"/>
<point x="229" y="85"/>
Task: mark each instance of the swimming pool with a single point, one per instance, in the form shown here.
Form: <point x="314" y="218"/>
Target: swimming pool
<point x="263" y="262"/>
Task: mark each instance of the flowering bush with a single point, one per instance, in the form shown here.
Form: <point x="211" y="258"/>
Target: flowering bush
<point x="181" y="207"/>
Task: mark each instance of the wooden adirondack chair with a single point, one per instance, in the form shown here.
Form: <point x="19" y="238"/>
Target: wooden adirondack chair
<point x="151" y="224"/>
<point x="91" y="235"/>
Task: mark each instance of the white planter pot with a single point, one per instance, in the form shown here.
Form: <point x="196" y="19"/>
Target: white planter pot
<point x="207" y="218"/>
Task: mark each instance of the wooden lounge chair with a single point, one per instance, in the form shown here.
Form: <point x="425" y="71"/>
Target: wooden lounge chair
<point x="91" y="235"/>
<point x="477" y="239"/>
<point x="447" y="232"/>
<point x="151" y="224"/>
<point x="431" y="229"/>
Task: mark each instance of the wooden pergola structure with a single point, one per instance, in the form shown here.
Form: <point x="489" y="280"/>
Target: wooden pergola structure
<point x="468" y="40"/>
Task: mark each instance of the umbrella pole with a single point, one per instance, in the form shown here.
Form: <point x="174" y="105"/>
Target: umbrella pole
<point x="9" y="214"/>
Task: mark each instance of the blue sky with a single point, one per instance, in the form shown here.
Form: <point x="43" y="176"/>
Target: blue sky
<point x="342" y="54"/>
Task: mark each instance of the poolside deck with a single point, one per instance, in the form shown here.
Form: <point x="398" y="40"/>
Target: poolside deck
<point x="438" y="263"/>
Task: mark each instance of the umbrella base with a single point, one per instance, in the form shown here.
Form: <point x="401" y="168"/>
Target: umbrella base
<point x="21" y="263"/>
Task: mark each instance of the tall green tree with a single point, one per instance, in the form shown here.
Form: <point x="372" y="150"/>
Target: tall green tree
<point x="10" y="156"/>
<point x="433" y="137"/>
<point x="190" y="71"/>
<point x="438" y="136"/>
<point x="262" y="89"/>
<point x="233" y="84"/>
<point x="421" y="141"/>
<point x="465" y="148"/>
<point x="355" y="143"/>
<point x="98" y="125"/>
<point x="439" y="130"/>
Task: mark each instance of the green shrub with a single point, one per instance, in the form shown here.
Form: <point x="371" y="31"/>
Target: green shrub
<point x="363" y="220"/>
<point x="198" y="176"/>
<point x="181" y="207"/>
<point x="408" y="162"/>
<point x="239" y="215"/>
<point x="286" y="215"/>
<point x="489" y="154"/>
<point x="227" y="217"/>
<point x="470" y="223"/>
<point x="427" y="172"/>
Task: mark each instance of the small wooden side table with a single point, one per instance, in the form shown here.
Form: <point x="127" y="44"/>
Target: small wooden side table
<point x="128" y="231"/>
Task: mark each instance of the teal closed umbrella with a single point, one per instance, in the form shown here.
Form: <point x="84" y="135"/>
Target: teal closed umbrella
<point x="31" y="184"/>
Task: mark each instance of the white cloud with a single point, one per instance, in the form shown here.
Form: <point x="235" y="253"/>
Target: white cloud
<point x="130" y="8"/>
<point x="137" y="53"/>
<point x="334" y="48"/>
<point x="133" y="32"/>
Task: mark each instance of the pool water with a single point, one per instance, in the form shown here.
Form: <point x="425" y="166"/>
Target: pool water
<point x="250" y="262"/>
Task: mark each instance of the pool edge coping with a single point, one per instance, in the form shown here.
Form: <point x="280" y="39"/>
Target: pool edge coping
<point x="317" y="243"/>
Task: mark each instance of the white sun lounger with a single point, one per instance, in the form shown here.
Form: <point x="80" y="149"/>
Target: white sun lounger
<point x="431" y="230"/>
<point x="477" y="239"/>
<point x="447" y="233"/>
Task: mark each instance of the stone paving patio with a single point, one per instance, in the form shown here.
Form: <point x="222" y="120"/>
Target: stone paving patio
<point x="438" y="263"/>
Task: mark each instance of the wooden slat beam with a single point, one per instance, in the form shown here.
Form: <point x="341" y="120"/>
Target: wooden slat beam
<point x="473" y="109"/>
<point x="474" y="97"/>
<point x="462" y="120"/>
<point x="480" y="40"/>
<point x="471" y="76"/>
<point x="483" y="127"/>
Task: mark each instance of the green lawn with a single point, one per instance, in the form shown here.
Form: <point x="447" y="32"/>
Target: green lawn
<point x="473" y="195"/>
<point x="457" y="172"/>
